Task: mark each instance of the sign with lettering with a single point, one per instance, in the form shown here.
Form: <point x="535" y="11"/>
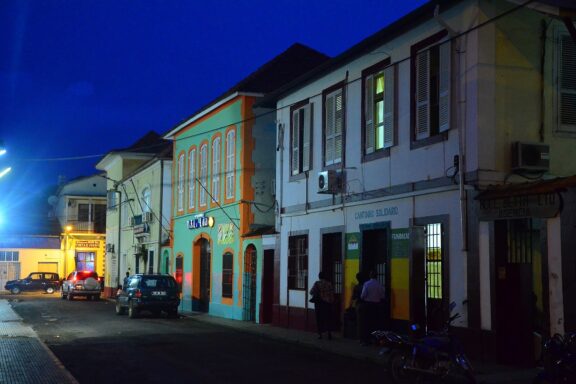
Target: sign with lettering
<point x="377" y="212"/>
<point x="87" y="244"/>
<point x="225" y="233"/>
<point x="516" y="207"/>
<point x="201" y="221"/>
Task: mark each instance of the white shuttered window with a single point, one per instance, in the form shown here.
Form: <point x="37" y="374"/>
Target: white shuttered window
<point x="566" y="84"/>
<point x="203" y="173"/>
<point x="191" y="179"/>
<point x="300" y="139"/>
<point x="432" y="96"/>
<point x="180" y="196"/>
<point x="333" y="127"/>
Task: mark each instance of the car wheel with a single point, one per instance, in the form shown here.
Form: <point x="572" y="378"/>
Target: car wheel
<point x="15" y="290"/>
<point x="120" y="310"/>
<point x="50" y="290"/>
<point x="132" y="310"/>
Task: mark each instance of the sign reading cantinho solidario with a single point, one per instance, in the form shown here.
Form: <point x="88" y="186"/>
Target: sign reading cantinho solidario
<point x="87" y="244"/>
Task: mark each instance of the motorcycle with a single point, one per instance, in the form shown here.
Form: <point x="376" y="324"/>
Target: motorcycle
<point x="559" y="360"/>
<point x="432" y="357"/>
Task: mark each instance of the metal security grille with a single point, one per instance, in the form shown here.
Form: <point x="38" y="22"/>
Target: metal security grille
<point x="297" y="262"/>
<point x="520" y="241"/>
<point x="434" y="261"/>
<point x="249" y="285"/>
<point x="338" y="277"/>
<point x="227" y="274"/>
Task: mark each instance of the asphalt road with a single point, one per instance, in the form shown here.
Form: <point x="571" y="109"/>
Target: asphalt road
<point x="97" y="346"/>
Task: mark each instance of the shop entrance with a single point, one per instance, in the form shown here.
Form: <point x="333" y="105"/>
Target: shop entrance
<point x="201" y="276"/>
<point x="375" y="257"/>
<point x="332" y="267"/>
<point x="519" y="289"/>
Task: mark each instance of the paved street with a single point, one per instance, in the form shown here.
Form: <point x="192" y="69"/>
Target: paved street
<point x="95" y="345"/>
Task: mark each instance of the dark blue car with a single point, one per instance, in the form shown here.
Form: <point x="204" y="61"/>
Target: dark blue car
<point x="36" y="281"/>
<point x="153" y="293"/>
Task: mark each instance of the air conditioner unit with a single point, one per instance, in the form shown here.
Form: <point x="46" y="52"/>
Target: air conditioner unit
<point x="146" y="217"/>
<point x="329" y="181"/>
<point x="109" y="247"/>
<point x="533" y="157"/>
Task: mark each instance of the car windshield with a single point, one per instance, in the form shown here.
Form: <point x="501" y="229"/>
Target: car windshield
<point x="158" y="282"/>
<point x="82" y="275"/>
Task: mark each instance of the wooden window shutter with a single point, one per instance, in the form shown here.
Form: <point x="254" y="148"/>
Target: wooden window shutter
<point x="339" y="126"/>
<point x="216" y="169"/>
<point x="295" y="163"/>
<point x="567" y="84"/>
<point x="192" y="179"/>
<point x="329" y="133"/>
<point x="422" y="95"/>
<point x="230" y="163"/>
<point x="389" y="91"/>
<point x="306" y="120"/>
<point x="181" y="182"/>
<point x="444" y="87"/>
<point x="369" y="114"/>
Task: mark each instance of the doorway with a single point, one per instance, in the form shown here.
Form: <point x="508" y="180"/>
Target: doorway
<point x="519" y="289"/>
<point x="375" y="257"/>
<point x="201" y="289"/>
<point x="332" y="266"/>
<point x="267" y="287"/>
<point x="429" y="273"/>
<point x="249" y="284"/>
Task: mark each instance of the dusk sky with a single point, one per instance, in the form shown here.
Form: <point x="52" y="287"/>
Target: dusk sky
<point x="79" y="78"/>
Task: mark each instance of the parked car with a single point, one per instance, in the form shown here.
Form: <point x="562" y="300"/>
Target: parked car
<point x="36" y="281"/>
<point x="154" y="293"/>
<point x="81" y="283"/>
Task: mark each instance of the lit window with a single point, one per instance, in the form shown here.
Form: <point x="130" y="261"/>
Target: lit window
<point x="378" y="110"/>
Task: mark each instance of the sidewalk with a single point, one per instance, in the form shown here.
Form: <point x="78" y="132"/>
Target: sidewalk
<point x="24" y="358"/>
<point x="487" y="373"/>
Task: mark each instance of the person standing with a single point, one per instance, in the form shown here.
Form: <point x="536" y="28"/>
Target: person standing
<point x="372" y="295"/>
<point x="323" y="297"/>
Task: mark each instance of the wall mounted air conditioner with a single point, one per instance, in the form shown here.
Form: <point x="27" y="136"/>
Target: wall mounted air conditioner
<point x="329" y="181"/>
<point x="146" y="217"/>
<point x="532" y="157"/>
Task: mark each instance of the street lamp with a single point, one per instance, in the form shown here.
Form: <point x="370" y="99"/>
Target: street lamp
<point x="4" y="171"/>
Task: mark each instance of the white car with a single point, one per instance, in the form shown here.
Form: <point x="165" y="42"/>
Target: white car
<point x="81" y="283"/>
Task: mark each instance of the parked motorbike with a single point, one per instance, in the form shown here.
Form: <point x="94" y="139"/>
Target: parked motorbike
<point x="429" y="358"/>
<point x="559" y="360"/>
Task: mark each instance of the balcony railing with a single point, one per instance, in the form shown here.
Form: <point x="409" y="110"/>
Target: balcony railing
<point x="88" y="226"/>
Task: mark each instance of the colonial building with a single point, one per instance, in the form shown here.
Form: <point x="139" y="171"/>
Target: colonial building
<point x="223" y="194"/>
<point x="438" y="153"/>
<point x="138" y="216"/>
<point x="80" y="207"/>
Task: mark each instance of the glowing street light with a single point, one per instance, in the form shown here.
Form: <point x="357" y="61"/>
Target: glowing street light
<point x="5" y="171"/>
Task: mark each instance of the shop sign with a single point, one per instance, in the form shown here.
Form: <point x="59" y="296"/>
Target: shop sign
<point x="226" y="233"/>
<point x="87" y="243"/>
<point x="377" y="212"/>
<point x="515" y="207"/>
<point x="201" y="221"/>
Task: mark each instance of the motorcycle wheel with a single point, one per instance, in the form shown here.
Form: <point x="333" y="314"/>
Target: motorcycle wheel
<point x="396" y="370"/>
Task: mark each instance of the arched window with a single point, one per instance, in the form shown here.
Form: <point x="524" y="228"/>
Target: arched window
<point x="192" y="178"/>
<point x="180" y="197"/>
<point x="203" y="173"/>
<point x="227" y="274"/>
<point x="216" y="169"/>
<point x="230" y="162"/>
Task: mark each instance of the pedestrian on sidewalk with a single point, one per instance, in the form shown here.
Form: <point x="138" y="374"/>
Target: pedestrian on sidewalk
<point x="356" y="304"/>
<point x="323" y="297"/>
<point x="372" y="296"/>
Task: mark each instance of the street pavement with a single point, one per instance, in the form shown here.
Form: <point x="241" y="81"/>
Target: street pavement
<point x="24" y="358"/>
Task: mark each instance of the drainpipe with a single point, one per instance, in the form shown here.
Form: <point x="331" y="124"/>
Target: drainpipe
<point x="160" y="215"/>
<point x="119" y="250"/>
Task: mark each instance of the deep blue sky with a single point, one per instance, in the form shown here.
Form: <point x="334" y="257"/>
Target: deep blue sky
<point x="79" y="78"/>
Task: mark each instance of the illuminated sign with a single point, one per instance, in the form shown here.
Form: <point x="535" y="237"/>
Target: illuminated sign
<point x="201" y="221"/>
<point x="87" y="244"/>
